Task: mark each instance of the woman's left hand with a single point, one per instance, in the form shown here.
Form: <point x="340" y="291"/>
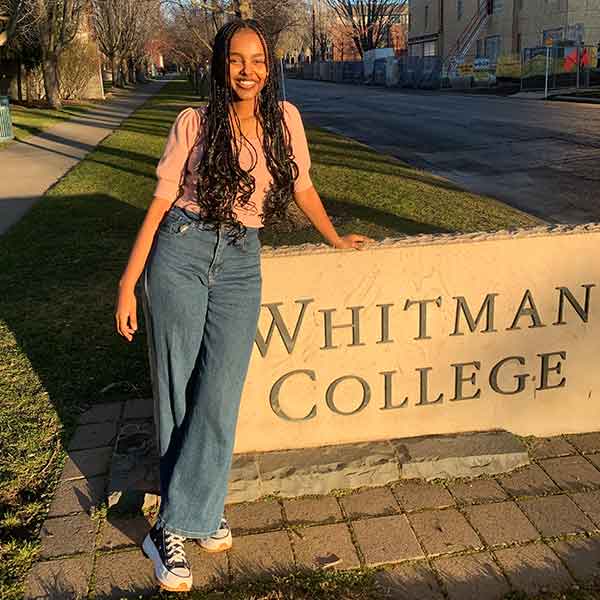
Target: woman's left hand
<point x="353" y="240"/>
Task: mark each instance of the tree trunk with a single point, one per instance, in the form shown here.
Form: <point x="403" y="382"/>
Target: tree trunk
<point x="114" y="68"/>
<point x="140" y="73"/>
<point x="50" y="70"/>
<point x="124" y="72"/>
<point x="19" y="80"/>
<point x="131" y="69"/>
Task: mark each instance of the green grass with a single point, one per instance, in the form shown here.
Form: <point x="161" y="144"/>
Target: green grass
<point x="28" y="121"/>
<point x="60" y="268"/>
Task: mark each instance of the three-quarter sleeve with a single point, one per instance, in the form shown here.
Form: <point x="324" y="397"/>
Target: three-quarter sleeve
<point x="299" y="147"/>
<point x="170" y="168"/>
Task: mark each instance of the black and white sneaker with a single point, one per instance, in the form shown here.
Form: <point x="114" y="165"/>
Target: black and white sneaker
<point x="167" y="551"/>
<point x="219" y="541"/>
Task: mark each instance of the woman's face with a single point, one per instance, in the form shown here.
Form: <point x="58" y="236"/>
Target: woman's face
<point x="247" y="64"/>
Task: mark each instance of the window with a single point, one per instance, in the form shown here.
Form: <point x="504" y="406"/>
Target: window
<point x="429" y="49"/>
<point x="519" y="43"/>
<point x="426" y="18"/>
<point x="459" y="9"/>
<point x="415" y="50"/>
<point x="497" y="6"/>
<point x="492" y="47"/>
<point x="479" y="49"/>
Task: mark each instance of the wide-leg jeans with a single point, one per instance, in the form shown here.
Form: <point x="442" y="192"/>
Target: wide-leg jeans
<point x="201" y="300"/>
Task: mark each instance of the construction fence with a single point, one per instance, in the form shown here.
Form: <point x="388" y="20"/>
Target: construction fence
<point x="567" y="66"/>
<point x="404" y="71"/>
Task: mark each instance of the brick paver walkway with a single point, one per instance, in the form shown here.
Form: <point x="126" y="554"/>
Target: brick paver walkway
<point x="536" y="528"/>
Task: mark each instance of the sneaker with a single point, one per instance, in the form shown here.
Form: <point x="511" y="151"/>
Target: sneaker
<point x="219" y="541"/>
<point x="166" y="550"/>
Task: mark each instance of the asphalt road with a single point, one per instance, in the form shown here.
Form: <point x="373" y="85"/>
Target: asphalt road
<point x="540" y="156"/>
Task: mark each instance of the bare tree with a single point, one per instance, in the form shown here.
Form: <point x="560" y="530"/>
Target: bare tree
<point x="42" y="29"/>
<point x="189" y="33"/>
<point x="123" y="29"/>
<point x="16" y="22"/>
<point x="54" y="25"/>
<point x="279" y="16"/>
<point x="12" y="14"/>
<point x="368" y="20"/>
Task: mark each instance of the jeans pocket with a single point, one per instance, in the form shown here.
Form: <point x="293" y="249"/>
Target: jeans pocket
<point x="176" y="222"/>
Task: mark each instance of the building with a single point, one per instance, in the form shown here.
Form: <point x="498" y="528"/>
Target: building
<point x="493" y="28"/>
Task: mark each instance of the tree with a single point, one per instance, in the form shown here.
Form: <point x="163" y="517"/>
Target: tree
<point x="55" y="25"/>
<point x="123" y="29"/>
<point x="279" y="16"/>
<point x="368" y="20"/>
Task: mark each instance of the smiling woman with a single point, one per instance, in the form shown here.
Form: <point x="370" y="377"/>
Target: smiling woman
<point x="226" y="171"/>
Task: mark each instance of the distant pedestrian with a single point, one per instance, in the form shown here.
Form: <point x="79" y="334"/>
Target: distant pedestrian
<point x="227" y="170"/>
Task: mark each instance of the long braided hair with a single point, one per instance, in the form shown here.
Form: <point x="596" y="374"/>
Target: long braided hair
<point x="220" y="179"/>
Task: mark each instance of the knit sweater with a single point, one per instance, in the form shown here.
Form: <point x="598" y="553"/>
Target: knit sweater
<point x="183" y="152"/>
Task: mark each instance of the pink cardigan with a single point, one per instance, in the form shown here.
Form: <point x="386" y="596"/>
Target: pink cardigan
<point x="185" y="140"/>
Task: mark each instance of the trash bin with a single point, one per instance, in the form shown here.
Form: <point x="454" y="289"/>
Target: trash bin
<point x="6" y="130"/>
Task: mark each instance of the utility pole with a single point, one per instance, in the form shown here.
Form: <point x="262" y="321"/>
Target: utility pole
<point x="314" y="33"/>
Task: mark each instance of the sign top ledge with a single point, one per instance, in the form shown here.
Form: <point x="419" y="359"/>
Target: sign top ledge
<point x="426" y="239"/>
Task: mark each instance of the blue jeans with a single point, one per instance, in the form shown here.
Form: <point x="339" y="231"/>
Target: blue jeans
<point x="201" y="301"/>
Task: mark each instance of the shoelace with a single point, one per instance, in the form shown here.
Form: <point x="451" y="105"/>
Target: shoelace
<point x="174" y="548"/>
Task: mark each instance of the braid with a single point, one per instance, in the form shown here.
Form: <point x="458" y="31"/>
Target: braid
<point x="221" y="180"/>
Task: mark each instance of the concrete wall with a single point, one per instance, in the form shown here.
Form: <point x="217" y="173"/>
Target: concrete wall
<point x="454" y="27"/>
<point x="417" y="17"/>
<point x="386" y="342"/>
<point x="588" y="13"/>
<point x="539" y="15"/>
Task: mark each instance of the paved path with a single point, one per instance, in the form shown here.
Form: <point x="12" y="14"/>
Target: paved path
<point x="542" y="157"/>
<point x="29" y="167"/>
<point x="532" y="529"/>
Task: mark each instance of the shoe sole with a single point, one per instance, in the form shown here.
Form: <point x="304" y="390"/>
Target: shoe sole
<point x="182" y="587"/>
<point x="221" y="548"/>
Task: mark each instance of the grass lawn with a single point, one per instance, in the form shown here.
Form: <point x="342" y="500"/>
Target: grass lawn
<point x="28" y="121"/>
<point x="60" y="266"/>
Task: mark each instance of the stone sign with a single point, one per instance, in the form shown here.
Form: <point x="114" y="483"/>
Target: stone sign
<point x="426" y="335"/>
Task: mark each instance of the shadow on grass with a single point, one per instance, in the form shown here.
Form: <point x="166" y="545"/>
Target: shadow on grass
<point x="384" y="219"/>
<point x="60" y="268"/>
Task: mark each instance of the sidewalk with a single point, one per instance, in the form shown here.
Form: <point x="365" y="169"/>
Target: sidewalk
<point x="28" y="168"/>
<point x="532" y="529"/>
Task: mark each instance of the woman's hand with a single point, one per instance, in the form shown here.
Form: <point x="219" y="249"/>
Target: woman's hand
<point x="353" y="240"/>
<point x="126" y="313"/>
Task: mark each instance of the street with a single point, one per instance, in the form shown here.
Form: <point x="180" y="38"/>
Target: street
<point x="542" y="157"/>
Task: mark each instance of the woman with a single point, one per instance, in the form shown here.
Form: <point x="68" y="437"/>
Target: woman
<point x="225" y="172"/>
